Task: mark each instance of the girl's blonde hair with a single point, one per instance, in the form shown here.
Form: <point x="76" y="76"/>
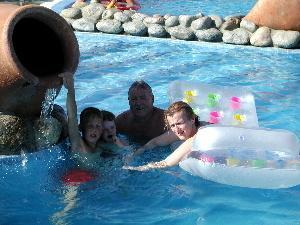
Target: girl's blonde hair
<point x="181" y="106"/>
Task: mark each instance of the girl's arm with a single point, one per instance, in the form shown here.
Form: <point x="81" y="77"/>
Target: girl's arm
<point x="74" y="134"/>
<point x="172" y="160"/>
<point x="165" y="139"/>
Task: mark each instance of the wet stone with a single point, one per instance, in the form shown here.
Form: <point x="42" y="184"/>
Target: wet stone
<point x="248" y="25"/>
<point x="12" y="134"/>
<point x="217" y="20"/>
<point x="285" y="39"/>
<point x="93" y="12"/>
<point x="202" y="23"/>
<point x="238" y="36"/>
<point x="122" y="17"/>
<point x="172" y="21"/>
<point x="181" y="33"/>
<point x="209" y="35"/>
<point x="83" y="25"/>
<point x="186" y="20"/>
<point x="110" y="26"/>
<point x="157" y="30"/>
<point x="46" y="132"/>
<point x="135" y="28"/>
<point x="72" y="13"/>
<point x="261" y="37"/>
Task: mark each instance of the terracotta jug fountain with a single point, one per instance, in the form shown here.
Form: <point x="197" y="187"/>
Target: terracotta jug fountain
<point x="276" y="14"/>
<point x="36" y="44"/>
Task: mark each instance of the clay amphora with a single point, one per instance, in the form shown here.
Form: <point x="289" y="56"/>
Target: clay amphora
<point x="36" y="44"/>
<point x="276" y="14"/>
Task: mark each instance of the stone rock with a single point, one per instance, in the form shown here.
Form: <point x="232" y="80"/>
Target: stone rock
<point x="276" y="14"/>
<point x="79" y="5"/>
<point x="83" y="25"/>
<point x="157" y="30"/>
<point x="181" y="33"/>
<point x="110" y="26"/>
<point x="12" y="134"/>
<point x="135" y="28"/>
<point x="239" y="36"/>
<point x="172" y="21"/>
<point x="46" y="132"/>
<point x="129" y="12"/>
<point x="72" y="13"/>
<point x="218" y="20"/>
<point x="235" y="17"/>
<point x="93" y="12"/>
<point x="202" y="23"/>
<point x="209" y="35"/>
<point x="109" y="13"/>
<point x="248" y="25"/>
<point x="167" y="16"/>
<point x="186" y="20"/>
<point x="285" y="39"/>
<point x="261" y="37"/>
<point x="230" y="24"/>
<point x="139" y="16"/>
<point x="122" y="17"/>
<point x="153" y="20"/>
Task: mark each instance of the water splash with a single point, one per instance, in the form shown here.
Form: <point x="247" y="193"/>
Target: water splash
<point x="24" y="159"/>
<point x="47" y="105"/>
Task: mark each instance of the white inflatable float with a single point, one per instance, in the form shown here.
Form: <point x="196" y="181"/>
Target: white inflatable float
<point x="217" y="104"/>
<point x="245" y="157"/>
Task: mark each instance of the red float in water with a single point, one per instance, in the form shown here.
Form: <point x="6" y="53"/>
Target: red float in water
<point x="78" y="176"/>
<point x="122" y="5"/>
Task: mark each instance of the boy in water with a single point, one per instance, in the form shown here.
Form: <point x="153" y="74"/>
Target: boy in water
<point x="91" y="121"/>
<point x="110" y="143"/>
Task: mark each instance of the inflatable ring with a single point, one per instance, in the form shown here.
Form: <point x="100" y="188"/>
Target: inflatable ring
<point x="122" y="5"/>
<point x="217" y="104"/>
<point x="245" y="157"/>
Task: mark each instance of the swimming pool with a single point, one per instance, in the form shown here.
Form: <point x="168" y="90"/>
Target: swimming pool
<point x="31" y="190"/>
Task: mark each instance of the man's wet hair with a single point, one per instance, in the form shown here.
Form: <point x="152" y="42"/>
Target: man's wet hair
<point x="108" y="116"/>
<point x="140" y="84"/>
<point x="88" y="113"/>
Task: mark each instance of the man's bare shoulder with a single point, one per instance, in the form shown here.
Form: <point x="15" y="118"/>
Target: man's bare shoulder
<point x="123" y="118"/>
<point x="159" y="112"/>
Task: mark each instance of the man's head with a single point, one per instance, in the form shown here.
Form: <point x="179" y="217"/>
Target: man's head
<point x="109" y="127"/>
<point x="141" y="99"/>
<point x="91" y="124"/>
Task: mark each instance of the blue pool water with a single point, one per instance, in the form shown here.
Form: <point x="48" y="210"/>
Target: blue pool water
<point x="31" y="190"/>
<point x="192" y="7"/>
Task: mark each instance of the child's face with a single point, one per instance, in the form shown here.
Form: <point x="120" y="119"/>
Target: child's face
<point x="109" y="131"/>
<point x="93" y="129"/>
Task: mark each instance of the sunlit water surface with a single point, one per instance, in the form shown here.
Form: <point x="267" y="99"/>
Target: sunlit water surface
<point x="32" y="191"/>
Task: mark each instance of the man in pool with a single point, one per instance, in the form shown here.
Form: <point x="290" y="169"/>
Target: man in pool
<point x="142" y="121"/>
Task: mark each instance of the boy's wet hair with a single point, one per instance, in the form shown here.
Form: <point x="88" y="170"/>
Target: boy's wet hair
<point x="181" y="106"/>
<point x="88" y="113"/>
<point x="140" y="84"/>
<point x="108" y="116"/>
